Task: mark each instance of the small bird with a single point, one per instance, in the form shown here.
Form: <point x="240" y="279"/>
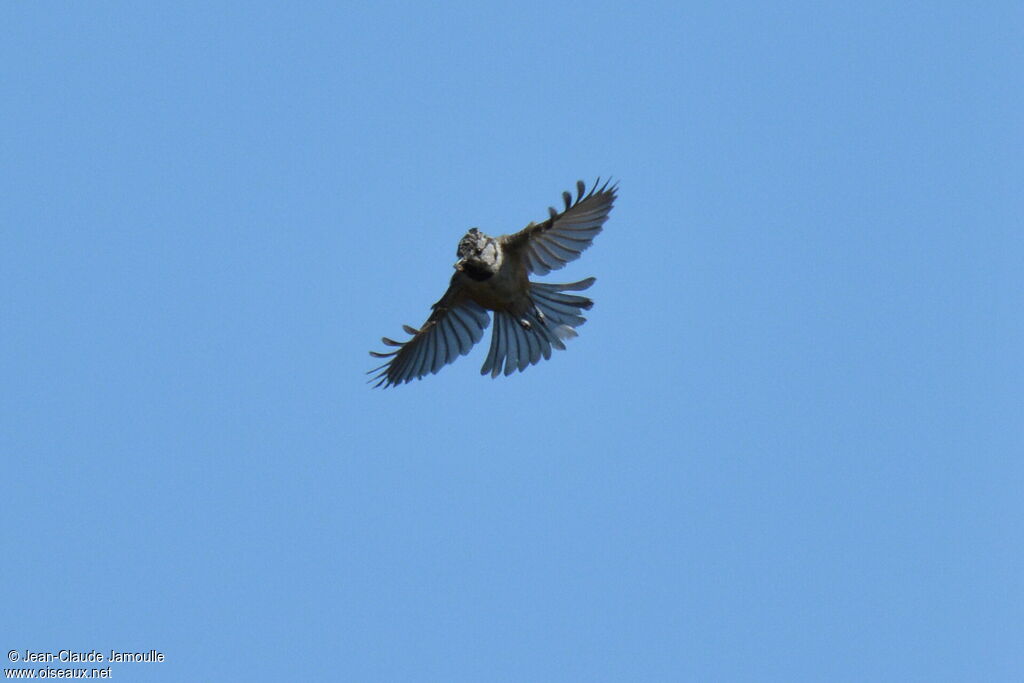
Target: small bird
<point x="492" y="274"/>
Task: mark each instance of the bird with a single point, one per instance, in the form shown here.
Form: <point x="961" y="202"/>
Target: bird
<point x="492" y="276"/>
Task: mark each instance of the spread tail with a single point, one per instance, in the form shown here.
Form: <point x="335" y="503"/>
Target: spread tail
<point x="515" y="345"/>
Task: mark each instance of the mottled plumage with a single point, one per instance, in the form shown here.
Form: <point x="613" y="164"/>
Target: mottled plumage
<point x="492" y="274"/>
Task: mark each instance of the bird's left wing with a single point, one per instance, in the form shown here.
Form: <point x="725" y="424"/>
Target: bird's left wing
<point x="564" y="235"/>
<point x="454" y="326"/>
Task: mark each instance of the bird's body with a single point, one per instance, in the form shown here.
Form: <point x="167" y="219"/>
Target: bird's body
<point x="492" y="274"/>
<point x="499" y="285"/>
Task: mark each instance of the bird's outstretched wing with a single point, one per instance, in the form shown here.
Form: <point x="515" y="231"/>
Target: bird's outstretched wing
<point x="454" y="326"/>
<point x="564" y="235"/>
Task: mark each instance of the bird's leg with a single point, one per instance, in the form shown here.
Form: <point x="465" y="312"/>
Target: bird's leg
<point x="536" y="313"/>
<point x="532" y="311"/>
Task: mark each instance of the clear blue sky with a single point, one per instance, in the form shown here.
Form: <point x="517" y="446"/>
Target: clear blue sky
<point x="786" y="446"/>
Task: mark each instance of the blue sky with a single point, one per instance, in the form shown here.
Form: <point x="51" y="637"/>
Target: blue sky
<point x="786" y="445"/>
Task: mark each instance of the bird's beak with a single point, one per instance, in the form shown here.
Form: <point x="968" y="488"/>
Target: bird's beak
<point x="458" y="264"/>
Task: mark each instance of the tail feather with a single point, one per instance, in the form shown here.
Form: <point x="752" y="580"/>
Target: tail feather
<point x="560" y="308"/>
<point x="512" y="339"/>
<point x="569" y="287"/>
<point x="516" y="347"/>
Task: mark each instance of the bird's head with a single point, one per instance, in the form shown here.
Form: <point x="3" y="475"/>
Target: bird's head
<point x="479" y="256"/>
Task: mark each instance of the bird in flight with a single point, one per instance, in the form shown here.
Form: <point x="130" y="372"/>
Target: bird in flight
<point x="492" y="274"/>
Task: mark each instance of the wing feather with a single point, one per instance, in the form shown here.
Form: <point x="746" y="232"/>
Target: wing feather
<point x="455" y="324"/>
<point x="564" y="235"/>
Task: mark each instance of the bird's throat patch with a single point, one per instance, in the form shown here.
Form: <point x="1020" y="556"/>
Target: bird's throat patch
<point x="477" y="271"/>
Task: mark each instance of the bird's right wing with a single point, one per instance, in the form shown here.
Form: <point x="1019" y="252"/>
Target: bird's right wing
<point x="454" y="326"/>
<point x="564" y="235"/>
